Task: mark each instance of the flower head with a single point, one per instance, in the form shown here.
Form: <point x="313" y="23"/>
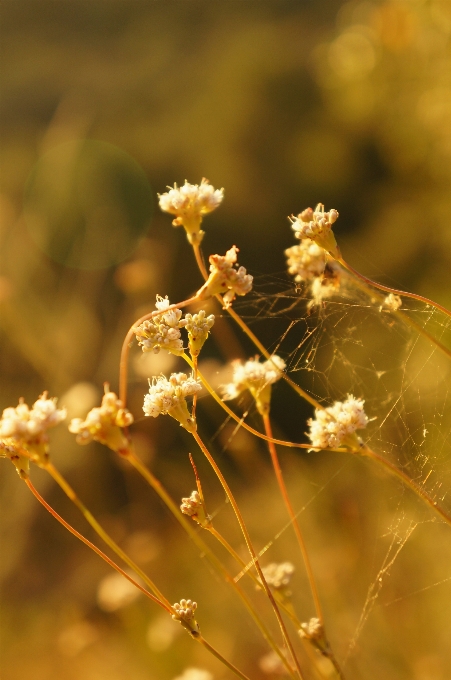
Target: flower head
<point x="392" y="302"/>
<point x="184" y="612"/>
<point x="194" y="507"/>
<point x="190" y="203"/>
<point x="257" y="377"/>
<point x="317" y="226"/>
<point x="224" y="279"/>
<point x="169" y="397"/>
<point x="104" y="424"/>
<point x="27" y="427"/>
<point x="161" y="331"/>
<point x="306" y="260"/>
<point x="336" y="425"/>
<point x="198" y="327"/>
<point x="278" y="575"/>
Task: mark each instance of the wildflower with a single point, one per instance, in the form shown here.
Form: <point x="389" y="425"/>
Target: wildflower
<point x="169" y="397"/>
<point x="194" y="507"/>
<point x="392" y="302"/>
<point x="224" y="279"/>
<point x="314" y="632"/>
<point x="306" y="260"/>
<point x="317" y="226"/>
<point x="162" y="331"/>
<point x="190" y="203"/>
<point x="104" y="424"/>
<point x="257" y="378"/>
<point x="336" y="425"/>
<point x="198" y="327"/>
<point x="184" y="612"/>
<point x="27" y="428"/>
<point x="278" y="576"/>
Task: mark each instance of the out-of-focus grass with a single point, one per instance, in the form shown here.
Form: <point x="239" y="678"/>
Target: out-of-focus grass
<point x="284" y="104"/>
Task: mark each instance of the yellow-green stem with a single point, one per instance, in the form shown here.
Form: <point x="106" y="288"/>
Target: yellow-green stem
<point x="93" y="547"/>
<point x="100" y="531"/>
<point x="219" y="656"/>
<point x="203" y="547"/>
<point x="250" y="547"/>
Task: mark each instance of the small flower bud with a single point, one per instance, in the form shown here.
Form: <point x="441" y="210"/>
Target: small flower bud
<point x="257" y="378"/>
<point x="224" y="279"/>
<point x="184" y="613"/>
<point x="317" y="226"/>
<point x="194" y="507"/>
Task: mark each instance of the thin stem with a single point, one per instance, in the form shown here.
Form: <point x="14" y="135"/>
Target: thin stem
<point x="250" y="547"/>
<point x="399" y="313"/>
<point x="70" y="493"/>
<point x="387" y="289"/>
<point x="293" y="518"/>
<point x="96" y="549"/>
<point x="219" y="656"/>
<point x="395" y="471"/>
<point x="123" y="365"/>
<point x="200" y="260"/>
<point x="203" y="547"/>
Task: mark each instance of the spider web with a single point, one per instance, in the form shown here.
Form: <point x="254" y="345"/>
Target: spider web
<point x="351" y="344"/>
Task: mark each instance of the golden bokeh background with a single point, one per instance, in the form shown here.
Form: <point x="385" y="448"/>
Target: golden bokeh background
<point x="284" y="104"/>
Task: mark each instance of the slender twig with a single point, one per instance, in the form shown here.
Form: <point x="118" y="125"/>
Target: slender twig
<point x="250" y="547"/>
<point x="97" y="550"/>
<point x="70" y="493"/>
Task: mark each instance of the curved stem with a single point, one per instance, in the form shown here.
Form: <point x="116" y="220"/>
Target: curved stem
<point x="95" y="548"/>
<point x="70" y="493"/>
<point x="293" y="518"/>
<point x="203" y="547"/>
<point x="200" y="260"/>
<point x="405" y="318"/>
<point x="219" y="656"/>
<point x="250" y="547"/>
<point x="406" y="480"/>
<point x="123" y="365"/>
<point x="387" y="289"/>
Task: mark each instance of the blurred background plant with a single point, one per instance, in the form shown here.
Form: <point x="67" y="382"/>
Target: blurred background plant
<point x="284" y="104"/>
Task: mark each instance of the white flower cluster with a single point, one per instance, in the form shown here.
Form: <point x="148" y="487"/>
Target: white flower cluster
<point x="312" y="630"/>
<point x="169" y="397"/>
<point x="198" y="327"/>
<point x="325" y="286"/>
<point x="29" y="426"/>
<point x="184" y="610"/>
<point x="306" y="260"/>
<point x="278" y="575"/>
<point x="103" y="423"/>
<point x="161" y="331"/>
<point x="336" y="424"/>
<point x="313" y="223"/>
<point x="256" y="377"/>
<point x="190" y="203"/>
<point x="224" y="279"/>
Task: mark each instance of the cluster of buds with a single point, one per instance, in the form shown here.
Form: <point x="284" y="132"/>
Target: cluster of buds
<point x="104" y="424"/>
<point x="313" y="631"/>
<point x="163" y="330"/>
<point x="316" y="225"/>
<point x="306" y="261"/>
<point x="198" y="327"/>
<point x="278" y="577"/>
<point x="169" y="397"/>
<point x="25" y="428"/>
<point x="337" y="424"/>
<point x="224" y="279"/>
<point x="194" y="507"/>
<point x="256" y="377"/>
<point x="184" y="613"/>
<point x="190" y="203"/>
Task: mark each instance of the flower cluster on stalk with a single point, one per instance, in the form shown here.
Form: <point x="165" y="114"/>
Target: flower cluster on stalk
<point x="169" y="397"/>
<point x="257" y="377"/>
<point x="225" y="279"/>
<point x="336" y="425"/>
